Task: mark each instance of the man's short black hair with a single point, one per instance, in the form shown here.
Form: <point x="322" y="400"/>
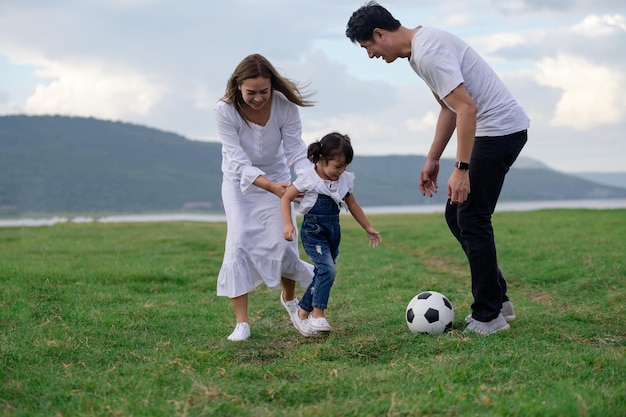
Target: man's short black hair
<point x="367" y="18"/>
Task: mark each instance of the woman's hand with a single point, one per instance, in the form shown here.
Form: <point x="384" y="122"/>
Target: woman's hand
<point x="278" y="188"/>
<point x="428" y="178"/>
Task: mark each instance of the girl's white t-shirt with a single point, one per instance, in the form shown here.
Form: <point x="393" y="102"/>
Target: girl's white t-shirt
<point x="444" y="62"/>
<point x="311" y="184"/>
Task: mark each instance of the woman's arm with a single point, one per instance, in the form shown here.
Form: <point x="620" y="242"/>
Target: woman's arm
<point x="293" y="145"/>
<point x="278" y="188"/>
<point x="229" y="131"/>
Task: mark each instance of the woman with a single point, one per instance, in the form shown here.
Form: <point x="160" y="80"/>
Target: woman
<point x="259" y="126"/>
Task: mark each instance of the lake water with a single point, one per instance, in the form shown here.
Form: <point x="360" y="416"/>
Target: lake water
<point x="434" y="208"/>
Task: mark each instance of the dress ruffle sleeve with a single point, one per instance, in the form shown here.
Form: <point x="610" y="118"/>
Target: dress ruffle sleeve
<point x="229" y="123"/>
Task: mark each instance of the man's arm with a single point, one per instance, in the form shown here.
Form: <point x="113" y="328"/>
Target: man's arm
<point x="465" y="108"/>
<point x="446" y="123"/>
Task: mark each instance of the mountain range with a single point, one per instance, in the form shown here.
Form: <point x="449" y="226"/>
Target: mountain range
<point x="75" y="165"/>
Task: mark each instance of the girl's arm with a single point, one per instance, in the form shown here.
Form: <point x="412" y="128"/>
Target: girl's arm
<point x="289" y="230"/>
<point x="359" y="215"/>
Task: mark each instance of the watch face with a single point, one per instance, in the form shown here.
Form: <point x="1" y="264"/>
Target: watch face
<point x="464" y="166"/>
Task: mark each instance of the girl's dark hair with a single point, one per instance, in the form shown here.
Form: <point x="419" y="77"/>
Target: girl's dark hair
<point x="331" y="146"/>
<point x="360" y="27"/>
<point x="254" y="66"/>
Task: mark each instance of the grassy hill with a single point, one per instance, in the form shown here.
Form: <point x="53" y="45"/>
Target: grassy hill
<point x="72" y="165"/>
<point x="62" y="164"/>
<point x="615" y="179"/>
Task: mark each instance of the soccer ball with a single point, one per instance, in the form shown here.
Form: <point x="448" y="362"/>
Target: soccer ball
<point x="429" y="312"/>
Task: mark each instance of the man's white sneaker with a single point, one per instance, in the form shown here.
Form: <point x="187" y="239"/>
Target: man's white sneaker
<point x="319" y="324"/>
<point x="507" y="312"/>
<point x="485" y="328"/>
<point x="241" y="333"/>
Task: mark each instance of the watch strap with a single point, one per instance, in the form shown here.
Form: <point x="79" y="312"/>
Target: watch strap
<point x="463" y="166"/>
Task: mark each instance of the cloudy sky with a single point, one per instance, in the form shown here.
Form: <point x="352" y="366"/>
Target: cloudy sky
<point x="164" y="64"/>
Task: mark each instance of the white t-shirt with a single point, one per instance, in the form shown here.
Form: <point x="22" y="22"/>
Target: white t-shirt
<point x="444" y="62"/>
<point x="311" y="184"/>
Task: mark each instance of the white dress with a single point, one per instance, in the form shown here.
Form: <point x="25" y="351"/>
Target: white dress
<point x="256" y="251"/>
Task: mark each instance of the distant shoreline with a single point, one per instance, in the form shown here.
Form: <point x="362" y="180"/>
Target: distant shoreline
<point x="508" y="206"/>
<point x="215" y="218"/>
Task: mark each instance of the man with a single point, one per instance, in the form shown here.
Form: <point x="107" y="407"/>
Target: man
<point x="491" y="131"/>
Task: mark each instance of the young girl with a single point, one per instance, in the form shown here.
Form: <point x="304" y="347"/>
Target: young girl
<point x="324" y="189"/>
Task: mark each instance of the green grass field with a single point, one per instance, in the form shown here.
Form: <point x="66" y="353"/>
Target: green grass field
<point x="123" y="320"/>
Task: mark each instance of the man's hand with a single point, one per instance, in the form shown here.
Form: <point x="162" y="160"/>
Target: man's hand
<point x="458" y="186"/>
<point x="428" y="178"/>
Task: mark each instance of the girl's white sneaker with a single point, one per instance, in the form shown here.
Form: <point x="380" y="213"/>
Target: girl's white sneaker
<point x="241" y="333"/>
<point x="319" y="324"/>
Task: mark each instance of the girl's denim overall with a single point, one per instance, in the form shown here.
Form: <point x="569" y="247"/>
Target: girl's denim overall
<point x="320" y="234"/>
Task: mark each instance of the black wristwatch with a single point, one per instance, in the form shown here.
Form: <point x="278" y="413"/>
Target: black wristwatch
<point x="463" y="166"/>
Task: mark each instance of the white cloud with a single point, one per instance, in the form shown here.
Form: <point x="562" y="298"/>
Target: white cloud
<point x="356" y="126"/>
<point x="592" y="94"/>
<point x="92" y="89"/>
<point x="4" y="97"/>
<point x="512" y="6"/>
<point x="426" y="123"/>
<point x="457" y="19"/>
<point x="155" y="63"/>
<point x="370" y="136"/>
<point x="204" y="98"/>
<point x="596" y="26"/>
<point x="498" y="40"/>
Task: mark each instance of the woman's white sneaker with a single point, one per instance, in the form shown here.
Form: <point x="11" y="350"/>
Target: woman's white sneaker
<point x="241" y="333"/>
<point x="291" y="306"/>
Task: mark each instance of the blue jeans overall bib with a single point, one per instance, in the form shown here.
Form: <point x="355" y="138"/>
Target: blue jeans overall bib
<point x="320" y="234"/>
